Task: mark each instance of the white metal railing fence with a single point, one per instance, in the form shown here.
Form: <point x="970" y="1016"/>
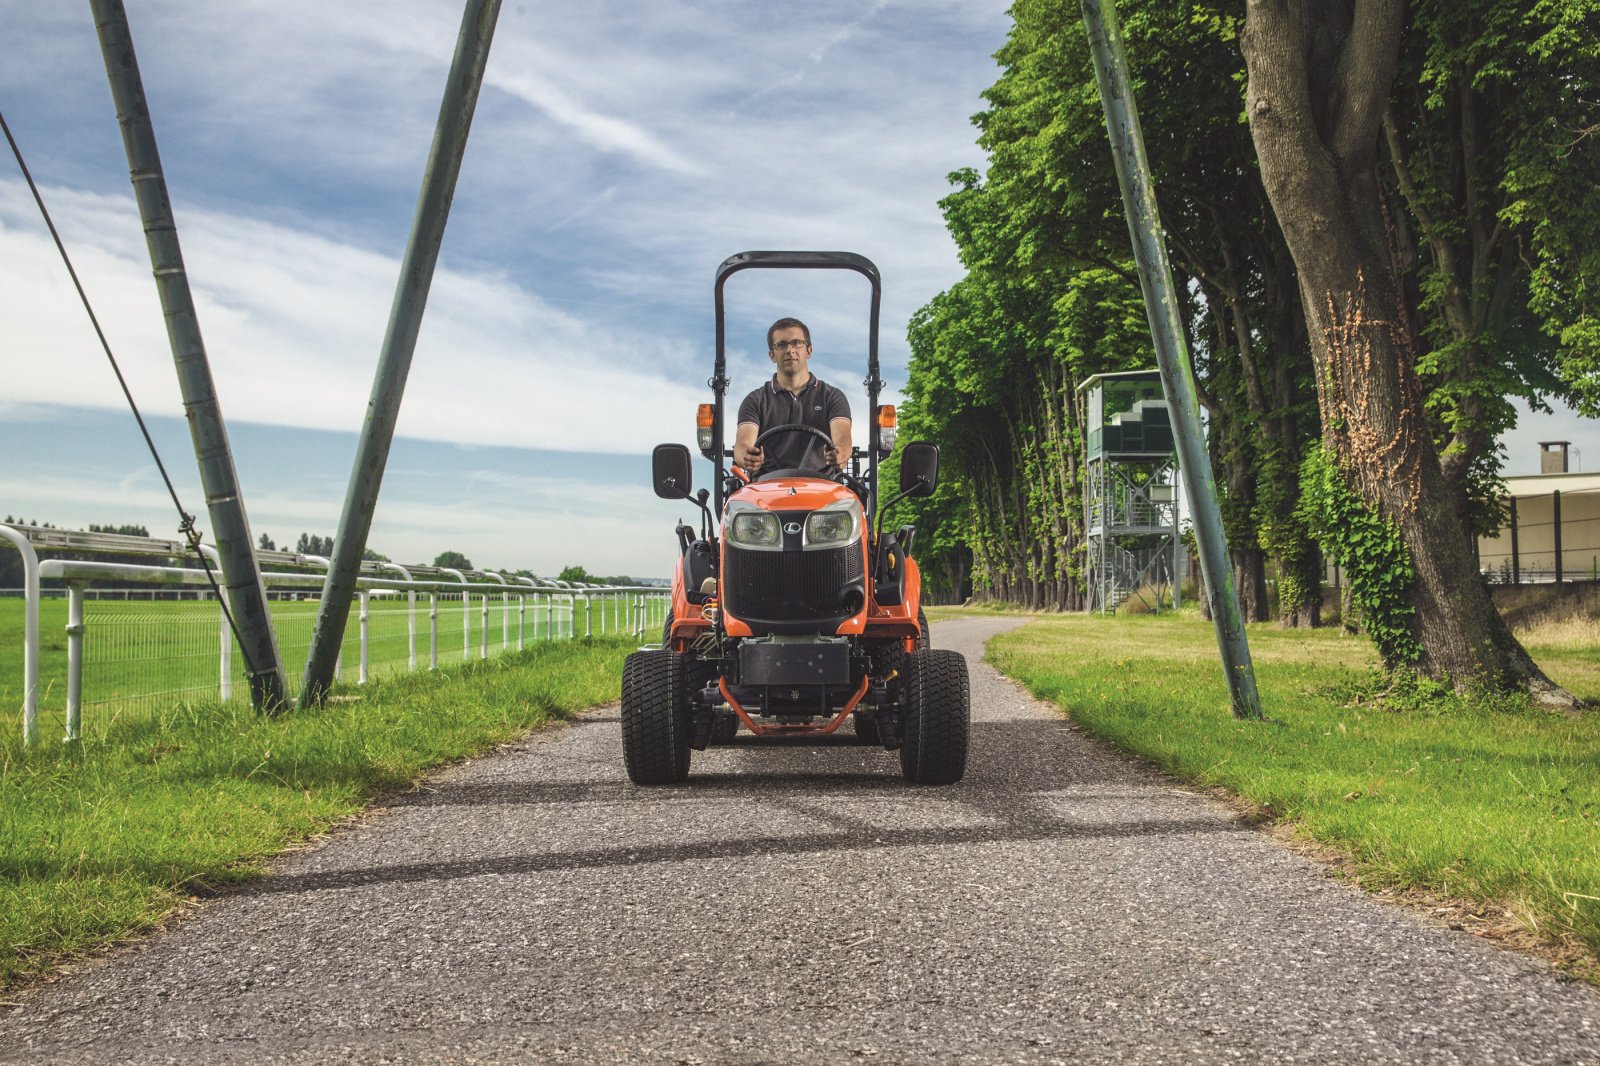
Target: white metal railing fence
<point x="130" y="655"/>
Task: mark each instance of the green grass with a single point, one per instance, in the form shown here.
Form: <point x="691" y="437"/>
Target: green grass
<point x="141" y="656"/>
<point x="105" y="839"/>
<point x="1492" y="804"/>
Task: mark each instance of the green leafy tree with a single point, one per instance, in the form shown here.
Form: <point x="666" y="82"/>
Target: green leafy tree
<point x="454" y="560"/>
<point x="1491" y="143"/>
<point x="1321" y="76"/>
<point x="312" y="544"/>
<point x="1051" y="298"/>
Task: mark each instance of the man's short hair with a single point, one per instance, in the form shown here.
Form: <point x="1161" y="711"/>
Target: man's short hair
<point x="788" y="323"/>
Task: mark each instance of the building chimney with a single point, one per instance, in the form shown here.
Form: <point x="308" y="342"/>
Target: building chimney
<point x="1553" y="456"/>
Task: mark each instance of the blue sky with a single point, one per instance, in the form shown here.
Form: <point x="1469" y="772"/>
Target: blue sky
<point x="620" y="151"/>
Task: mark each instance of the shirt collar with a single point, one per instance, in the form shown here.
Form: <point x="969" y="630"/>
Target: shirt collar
<point x="772" y="383"/>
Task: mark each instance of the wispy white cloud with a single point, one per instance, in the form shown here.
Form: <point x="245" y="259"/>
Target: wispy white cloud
<point x="293" y="324"/>
<point x="609" y="133"/>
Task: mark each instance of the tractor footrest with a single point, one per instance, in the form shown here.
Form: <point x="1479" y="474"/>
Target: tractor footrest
<point x="794" y="663"/>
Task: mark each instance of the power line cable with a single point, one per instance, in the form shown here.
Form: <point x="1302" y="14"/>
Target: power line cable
<point x="186" y="526"/>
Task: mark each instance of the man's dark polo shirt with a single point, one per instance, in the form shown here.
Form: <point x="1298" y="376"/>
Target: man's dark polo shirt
<point x="818" y="404"/>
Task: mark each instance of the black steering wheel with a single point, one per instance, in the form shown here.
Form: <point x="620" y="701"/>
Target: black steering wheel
<point x="796" y="427"/>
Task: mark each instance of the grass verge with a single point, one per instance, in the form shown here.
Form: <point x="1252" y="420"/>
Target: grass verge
<point x="106" y="839"/>
<point x="1489" y="808"/>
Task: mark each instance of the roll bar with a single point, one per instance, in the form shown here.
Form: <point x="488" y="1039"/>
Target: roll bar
<point x="719" y="378"/>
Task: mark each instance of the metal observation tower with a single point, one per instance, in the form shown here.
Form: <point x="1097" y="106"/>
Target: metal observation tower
<point x="1130" y="500"/>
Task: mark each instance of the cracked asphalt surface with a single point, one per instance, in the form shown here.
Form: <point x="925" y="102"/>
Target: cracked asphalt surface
<point x="802" y="904"/>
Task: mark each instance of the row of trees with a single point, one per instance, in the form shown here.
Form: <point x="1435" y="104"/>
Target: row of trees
<point x="313" y="544"/>
<point x="307" y="544"/>
<point x="1383" y="223"/>
<point x="11" y="571"/>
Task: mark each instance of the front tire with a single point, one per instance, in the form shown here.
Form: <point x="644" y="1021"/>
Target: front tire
<point x="655" y="718"/>
<point x="935" y="717"/>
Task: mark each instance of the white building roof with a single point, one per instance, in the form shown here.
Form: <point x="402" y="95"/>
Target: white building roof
<point x="1545" y="484"/>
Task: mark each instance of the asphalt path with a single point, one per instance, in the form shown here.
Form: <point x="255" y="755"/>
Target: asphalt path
<point x="802" y="904"/>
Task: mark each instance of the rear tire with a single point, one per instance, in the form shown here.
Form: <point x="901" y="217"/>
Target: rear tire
<point x="655" y="718"/>
<point x="935" y="717"/>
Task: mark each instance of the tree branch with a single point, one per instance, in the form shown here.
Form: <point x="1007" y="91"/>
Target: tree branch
<point x="1364" y="76"/>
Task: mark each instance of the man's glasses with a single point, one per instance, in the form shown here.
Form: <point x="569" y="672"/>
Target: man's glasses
<point x="790" y="346"/>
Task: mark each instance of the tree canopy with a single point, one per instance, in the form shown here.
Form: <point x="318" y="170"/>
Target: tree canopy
<point x="1467" y="137"/>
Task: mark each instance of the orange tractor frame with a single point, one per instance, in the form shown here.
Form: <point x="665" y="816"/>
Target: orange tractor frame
<point x="793" y="612"/>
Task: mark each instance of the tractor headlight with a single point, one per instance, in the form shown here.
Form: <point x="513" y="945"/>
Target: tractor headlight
<point x="750" y="527"/>
<point x="836" y="524"/>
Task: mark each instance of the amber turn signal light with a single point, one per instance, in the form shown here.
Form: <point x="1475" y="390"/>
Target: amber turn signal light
<point x="702" y="422"/>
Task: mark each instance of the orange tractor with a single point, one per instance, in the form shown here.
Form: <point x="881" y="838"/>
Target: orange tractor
<point x="793" y="612"/>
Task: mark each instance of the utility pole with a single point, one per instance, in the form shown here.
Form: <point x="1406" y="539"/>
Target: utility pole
<point x="400" y="341"/>
<point x="241" y="576"/>
<point x="1172" y="351"/>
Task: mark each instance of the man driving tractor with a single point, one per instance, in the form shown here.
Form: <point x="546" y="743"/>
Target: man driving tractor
<point x="792" y="396"/>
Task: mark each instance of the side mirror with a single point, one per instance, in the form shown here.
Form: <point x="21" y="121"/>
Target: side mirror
<point x="919" y="469"/>
<point x="669" y="471"/>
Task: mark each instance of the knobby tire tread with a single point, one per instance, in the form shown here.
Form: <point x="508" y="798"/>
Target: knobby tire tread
<point x="936" y="717"/>
<point x="655" y="727"/>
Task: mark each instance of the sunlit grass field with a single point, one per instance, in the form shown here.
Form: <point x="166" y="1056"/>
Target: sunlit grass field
<point x="1493" y="803"/>
<point x="106" y="838"/>
<point x="142" y="655"/>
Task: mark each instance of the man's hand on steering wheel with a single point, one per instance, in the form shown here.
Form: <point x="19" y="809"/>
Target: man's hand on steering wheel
<point x="752" y="459"/>
<point x="829" y="454"/>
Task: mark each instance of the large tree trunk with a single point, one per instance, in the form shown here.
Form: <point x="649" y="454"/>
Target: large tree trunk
<point x="1250" y="578"/>
<point x="1320" y="72"/>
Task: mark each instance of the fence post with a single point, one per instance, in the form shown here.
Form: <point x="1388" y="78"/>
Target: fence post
<point x="505" y="618"/>
<point x="30" y="635"/>
<point x="224" y="656"/>
<point x="1516" y="554"/>
<point x="1556" y="502"/>
<point x="433" y="630"/>
<point x="75" y="629"/>
<point x="363" y="596"/>
<point x="522" y="613"/>
<point x="411" y="615"/>
<point x="483" y="629"/>
<point x="466" y="613"/>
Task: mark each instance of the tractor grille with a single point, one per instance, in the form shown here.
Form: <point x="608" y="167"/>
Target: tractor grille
<point x="790" y="586"/>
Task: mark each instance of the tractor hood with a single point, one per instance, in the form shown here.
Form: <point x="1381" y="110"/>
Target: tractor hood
<point x="792" y="494"/>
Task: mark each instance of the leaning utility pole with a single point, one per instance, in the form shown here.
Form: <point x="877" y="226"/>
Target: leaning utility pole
<point x="399" y="342"/>
<point x="246" y="593"/>
<point x="1172" y="352"/>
